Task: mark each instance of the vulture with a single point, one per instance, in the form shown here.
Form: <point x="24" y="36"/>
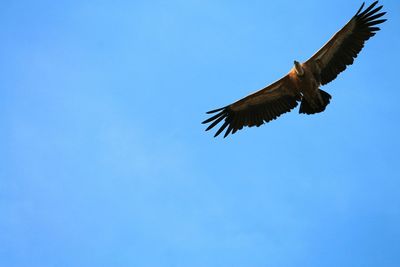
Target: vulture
<point x="302" y="83"/>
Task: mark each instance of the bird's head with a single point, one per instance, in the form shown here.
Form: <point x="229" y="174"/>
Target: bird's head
<point x="298" y="68"/>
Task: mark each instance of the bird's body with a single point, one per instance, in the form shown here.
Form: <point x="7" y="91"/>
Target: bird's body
<point x="314" y="100"/>
<point x="303" y="82"/>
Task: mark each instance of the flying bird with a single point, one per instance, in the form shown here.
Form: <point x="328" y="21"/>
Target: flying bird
<point x="302" y="83"/>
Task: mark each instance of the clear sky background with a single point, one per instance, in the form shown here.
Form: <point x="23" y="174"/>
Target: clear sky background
<point x="104" y="161"/>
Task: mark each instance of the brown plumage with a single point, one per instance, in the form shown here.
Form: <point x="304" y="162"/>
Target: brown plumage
<point x="302" y="83"/>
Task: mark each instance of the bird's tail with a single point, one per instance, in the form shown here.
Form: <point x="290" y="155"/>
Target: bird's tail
<point x="320" y="106"/>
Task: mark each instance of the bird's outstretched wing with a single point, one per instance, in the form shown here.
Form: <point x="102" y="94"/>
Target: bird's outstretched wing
<point x="254" y="110"/>
<point x="341" y="50"/>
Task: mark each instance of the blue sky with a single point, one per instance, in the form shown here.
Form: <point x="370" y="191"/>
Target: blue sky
<point x="104" y="161"/>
